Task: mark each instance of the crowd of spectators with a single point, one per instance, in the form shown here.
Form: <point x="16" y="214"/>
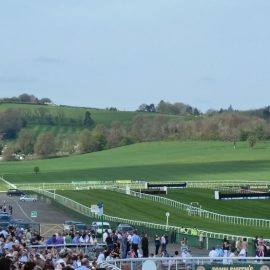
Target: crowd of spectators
<point x="229" y="251"/>
<point x="25" y="249"/>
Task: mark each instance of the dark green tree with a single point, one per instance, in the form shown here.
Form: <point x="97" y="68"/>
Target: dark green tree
<point x="88" y="122"/>
<point x="36" y="170"/>
<point x="11" y="123"/>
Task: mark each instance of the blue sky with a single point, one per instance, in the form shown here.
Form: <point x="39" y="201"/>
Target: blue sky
<point x="122" y="53"/>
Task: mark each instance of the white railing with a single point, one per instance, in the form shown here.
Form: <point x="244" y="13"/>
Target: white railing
<point x="82" y="209"/>
<point x="220" y="184"/>
<point x="192" y="210"/>
<point x="185" y="207"/>
<point x="81" y="185"/>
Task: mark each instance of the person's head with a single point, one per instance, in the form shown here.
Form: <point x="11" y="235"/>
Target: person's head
<point x="29" y="266"/>
<point x="5" y="263"/>
<point x="68" y="267"/>
<point x="85" y="262"/>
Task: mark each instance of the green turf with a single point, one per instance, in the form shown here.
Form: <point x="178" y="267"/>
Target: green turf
<point x="121" y="205"/>
<point x="205" y="198"/>
<point x="191" y="160"/>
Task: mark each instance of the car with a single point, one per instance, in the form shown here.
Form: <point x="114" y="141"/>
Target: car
<point x="15" y="192"/>
<point x="75" y="225"/>
<point x="16" y="220"/>
<point x="99" y="227"/>
<point x="19" y="223"/>
<point x="27" y="198"/>
<point x="4" y="220"/>
<point x="125" y="227"/>
<point x="81" y="227"/>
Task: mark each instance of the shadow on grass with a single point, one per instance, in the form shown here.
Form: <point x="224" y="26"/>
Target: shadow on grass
<point x="204" y="171"/>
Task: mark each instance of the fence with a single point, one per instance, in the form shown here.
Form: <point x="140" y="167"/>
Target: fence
<point x="193" y="263"/>
<point x="223" y="184"/>
<point x="186" y="261"/>
<point x="140" y="184"/>
<point x="198" y="211"/>
<point x="80" y="185"/>
<point x="82" y="209"/>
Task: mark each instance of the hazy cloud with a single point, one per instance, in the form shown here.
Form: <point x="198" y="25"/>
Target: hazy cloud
<point x="16" y="79"/>
<point x="48" y="60"/>
<point x="207" y="79"/>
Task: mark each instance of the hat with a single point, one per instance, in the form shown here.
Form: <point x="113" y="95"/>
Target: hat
<point x="61" y="261"/>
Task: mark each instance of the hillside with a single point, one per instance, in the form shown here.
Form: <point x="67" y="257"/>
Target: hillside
<point x="32" y="131"/>
<point x="71" y="129"/>
<point x="189" y="160"/>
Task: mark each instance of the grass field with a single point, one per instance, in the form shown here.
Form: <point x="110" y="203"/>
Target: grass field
<point x="182" y="161"/>
<point x="190" y="160"/>
<point x="121" y="205"/>
<point x="205" y="197"/>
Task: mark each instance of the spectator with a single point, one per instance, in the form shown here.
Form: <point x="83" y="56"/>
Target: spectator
<point x="212" y="254"/>
<point x="135" y="241"/>
<point x="145" y="246"/>
<point x="157" y="244"/>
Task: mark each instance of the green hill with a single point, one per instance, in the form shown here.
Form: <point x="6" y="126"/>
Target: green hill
<point x="64" y="120"/>
<point x="189" y="160"/>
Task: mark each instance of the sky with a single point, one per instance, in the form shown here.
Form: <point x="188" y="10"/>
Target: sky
<point x="209" y="54"/>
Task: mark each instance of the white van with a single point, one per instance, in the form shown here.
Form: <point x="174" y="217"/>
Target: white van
<point x="99" y="227"/>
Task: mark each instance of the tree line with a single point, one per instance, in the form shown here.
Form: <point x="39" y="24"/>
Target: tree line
<point x="26" y="98"/>
<point x="225" y="126"/>
<point x="163" y="107"/>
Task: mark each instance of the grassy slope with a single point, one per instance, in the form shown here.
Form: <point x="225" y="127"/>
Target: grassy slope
<point x="122" y="205"/>
<point x="101" y="116"/>
<point x="150" y="161"/>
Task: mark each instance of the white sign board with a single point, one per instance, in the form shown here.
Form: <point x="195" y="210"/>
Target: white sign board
<point x="33" y="214"/>
<point x="97" y="209"/>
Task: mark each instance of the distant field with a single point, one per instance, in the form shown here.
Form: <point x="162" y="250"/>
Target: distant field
<point x="100" y="116"/>
<point x="56" y="130"/>
<point x="191" y="160"/>
<point x="144" y="210"/>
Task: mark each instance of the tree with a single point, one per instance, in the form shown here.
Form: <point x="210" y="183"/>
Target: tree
<point x="252" y="140"/>
<point x="8" y="153"/>
<point x="88" y="122"/>
<point x="25" y="98"/>
<point x="101" y="133"/>
<point x="45" y="144"/>
<point x="36" y="169"/>
<point x="116" y="135"/>
<point x="87" y="142"/>
<point x="66" y="143"/>
<point x="25" y="141"/>
<point x="45" y="101"/>
<point x="11" y="123"/>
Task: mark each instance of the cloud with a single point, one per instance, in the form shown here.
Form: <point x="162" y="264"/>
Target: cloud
<point x="48" y="60"/>
<point x="206" y="79"/>
<point x="16" y="79"/>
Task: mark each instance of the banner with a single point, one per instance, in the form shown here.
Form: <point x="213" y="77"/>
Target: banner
<point x="249" y="266"/>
